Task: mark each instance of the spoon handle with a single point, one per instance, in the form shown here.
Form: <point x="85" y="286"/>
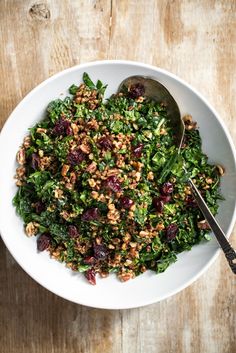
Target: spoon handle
<point x="229" y="252"/>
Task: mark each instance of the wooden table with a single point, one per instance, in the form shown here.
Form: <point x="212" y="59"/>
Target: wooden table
<point x="192" y="38"/>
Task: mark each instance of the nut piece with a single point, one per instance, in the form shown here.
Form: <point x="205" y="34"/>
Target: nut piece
<point x="58" y="193"/>
<point x="31" y="229"/>
<point x="85" y="148"/>
<point x="150" y="176"/>
<point x="75" y="128"/>
<point x="27" y="142"/>
<point x="125" y="276"/>
<point x="65" y="169"/>
<point x="220" y="170"/>
<point x="21" y="156"/>
<point x="187" y="119"/>
<point x="40" y="130"/>
<point x="143" y="234"/>
<point x="160" y="226"/>
<point x="20" y="173"/>
<point x="93" y="124"/>
<point x="92" y="183"/>
<point x="92" y="167"/>
<point x="203" y="225"/>
<point x="189" y="123"/>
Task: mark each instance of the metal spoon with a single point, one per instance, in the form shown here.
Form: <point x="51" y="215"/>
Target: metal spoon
<point x="156" y="91"/>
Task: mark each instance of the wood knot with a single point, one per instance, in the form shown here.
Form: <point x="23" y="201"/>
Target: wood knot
<point x="40" y="11"/>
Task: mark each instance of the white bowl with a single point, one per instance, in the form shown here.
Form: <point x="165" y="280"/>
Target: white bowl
<point x="110" y="293"/>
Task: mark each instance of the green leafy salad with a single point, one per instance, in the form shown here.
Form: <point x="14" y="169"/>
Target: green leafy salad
<point x="97" y="189"/>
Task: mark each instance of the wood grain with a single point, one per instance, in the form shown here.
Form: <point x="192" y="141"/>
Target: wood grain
<point x="194" y="39"/>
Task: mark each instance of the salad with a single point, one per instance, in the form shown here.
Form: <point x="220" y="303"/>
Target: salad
<point x="102" y="188"/>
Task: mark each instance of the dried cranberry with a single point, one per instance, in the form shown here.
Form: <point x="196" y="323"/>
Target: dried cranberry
<point x="158" y="204"/>
<point x="190" y="201"/>
<point x="76" y="157"/>
<point x="90" y="214"/>
<point x="165" y="198"/>
<point x="148" y="226"/>
<point x="126" y="202"/>
<point x="167" y="188"/>
<point x="112" y="183"/>
<point x="136" y="90"/>
<point x="62" y="127"/>
<point x="35" y="161"/>
<point x="39" y="207"/>
<point x="69" y="131"/>
<point x="105" y="143"/>
<point x="137" y="150"/>
<point x="89" y="260"/>
<point x="100" y="251"/>
<point x="91" y="276"/>
<point x="171" y="231"/>
<point x="73" y="231"/>
<point x="43" y="241"/>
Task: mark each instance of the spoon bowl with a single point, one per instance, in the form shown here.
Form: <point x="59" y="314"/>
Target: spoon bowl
<point x="156" y="91"/>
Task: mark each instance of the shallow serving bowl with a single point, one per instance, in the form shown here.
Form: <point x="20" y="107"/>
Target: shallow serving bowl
<point x="110" y="293"/>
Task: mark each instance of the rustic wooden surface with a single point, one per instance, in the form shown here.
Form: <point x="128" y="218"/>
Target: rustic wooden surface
<point x="192" y="38"/>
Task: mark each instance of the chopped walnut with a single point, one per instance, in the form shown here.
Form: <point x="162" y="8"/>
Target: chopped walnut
<point x="85" y="148"/>
<point x="40" y="130"/>
<point x="220" y="170"/>
<point x="31" y="229"/>
<point x="150" y="176"/>
<point x="27" y="142"/>
<point x="125" y="276"/>
<point x="21" y="156"/>
<point x="143" y="234"/>
<point x="94" y="195"/>
<point x="93" y="124"/>
<point x="92" y="167"/>
<point x="65" y="169"/>
<point x="58" y="193"/>
<point x="209" y="181"/>
<point x="20" y="173"/>
<point x="92" y="183"/>
<point x="75" y="128"/>
<point x="160" y="226"/>
<point x="73" y="177"/>
<point x="113" y="215"/>
<point x="45" y="162"/>
<point x="203" y="225"/>
<point x="189" y="123"/>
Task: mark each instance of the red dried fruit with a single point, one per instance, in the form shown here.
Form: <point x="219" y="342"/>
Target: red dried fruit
<point x="73" y="231"/>
<point x="137" y="150"/>
<point x="167" y="188"/>
<point x="90" y="214"/>
<point x="91" y="276"/>
<point x="35" y="161"/>
<point x="62" y="127"/>
<point x="69" y="131"/>
<point x="112" y="183"/>
<point x="165" y="198"/>
<point x="43" y="241"/>
<point x="126" y="202"/>
<point x="100" y="251"/>
<point x="171" y="231"/>
<point x="105" y="143"/>
<point x="89" y="260"/>
<point x="158" y="204"/>
<point x="190" y="201"/>
<point x="39" y="207"/>
<point x="136" y="90"/>
<point x="75" y="157"/>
